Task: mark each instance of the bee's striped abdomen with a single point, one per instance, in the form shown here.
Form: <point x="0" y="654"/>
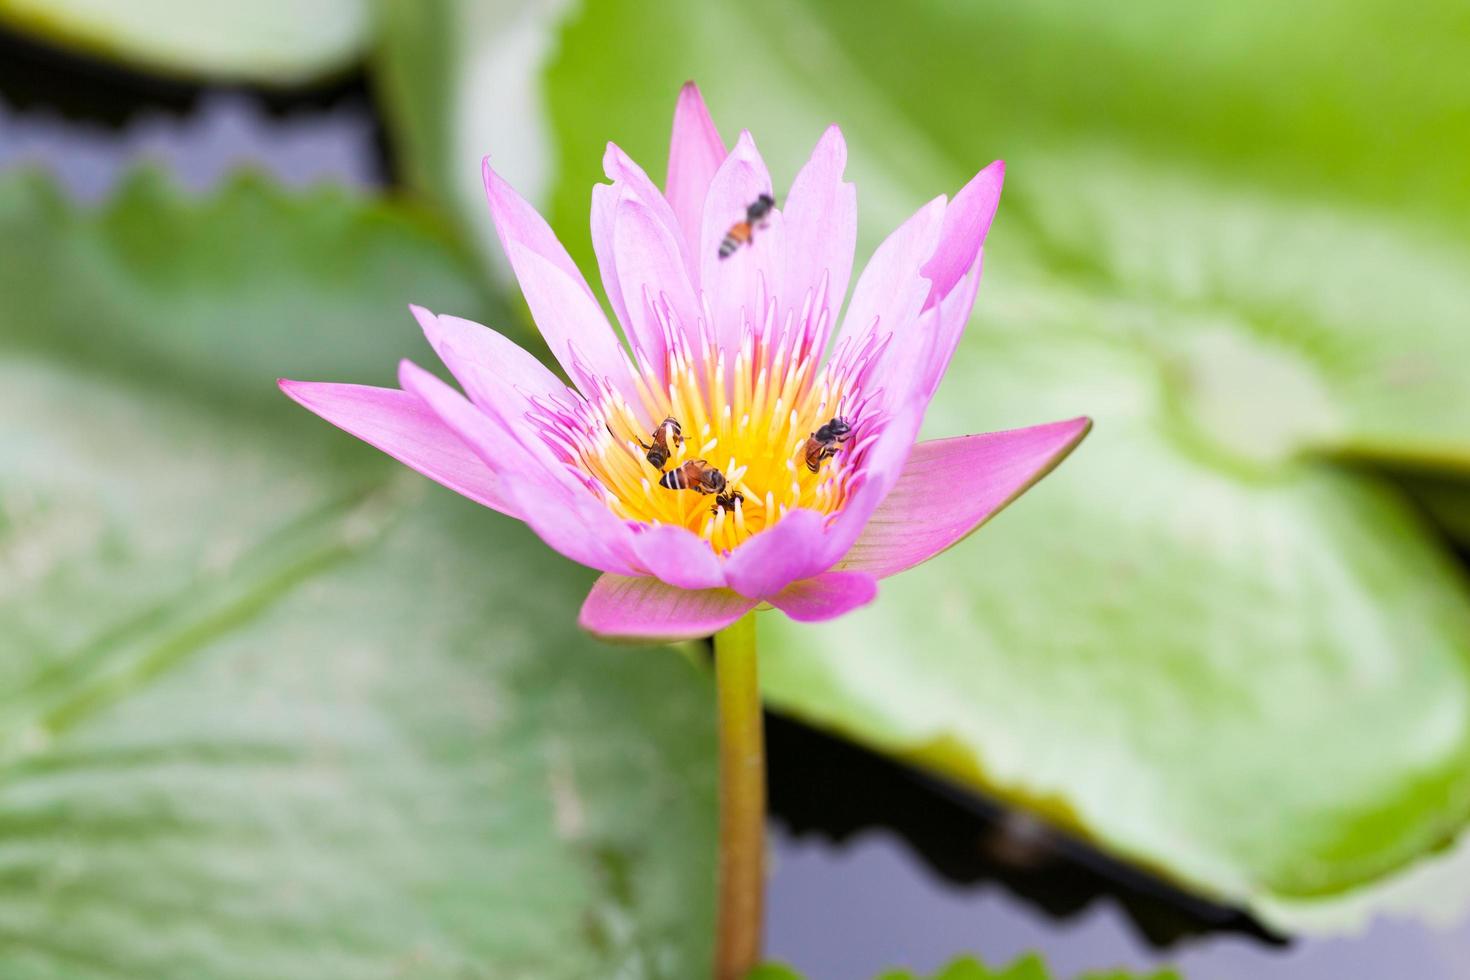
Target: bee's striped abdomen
<point x="738" y="235"/>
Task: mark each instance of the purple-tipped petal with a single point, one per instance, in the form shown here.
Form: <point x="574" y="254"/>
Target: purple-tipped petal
<point x="625" y="608"/>
<point x="569" y="520"/>
<point x="790" y="549"/>
<point x="695" y="153"/>
<point x="561" y="302"/>
<point x="734" y="286"/>
<point x="401" y="425"/>
<point x="821" y="224"/>
<point x="966" y="222"/>
<point x="826" y="596"/>
<point x="913" y="523"/>
<point x="678" y="556"/>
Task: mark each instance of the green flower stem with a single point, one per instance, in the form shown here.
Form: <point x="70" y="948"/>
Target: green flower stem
<point x="742" y="802"/>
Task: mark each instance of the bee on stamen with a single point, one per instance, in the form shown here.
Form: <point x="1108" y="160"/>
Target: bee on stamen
<point x="659" y="452"/>
<point x="824" y="443"/>
<point x="696" y="475"/>
<point x="726" y="501"/>
<point x="743" y="232"/>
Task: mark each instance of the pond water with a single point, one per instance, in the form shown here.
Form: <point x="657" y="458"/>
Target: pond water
<point x="874" y="865"/>
<point x="878" y="866"/>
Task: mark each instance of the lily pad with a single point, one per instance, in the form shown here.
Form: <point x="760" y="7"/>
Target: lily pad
<point x="1212" y="642"/>
<point x="269" y="42"/>
<point x="968" y="968"/>
<point x="461" y="79"/>
<point x="1164" y="653"/>
<point x="270" y="705"/>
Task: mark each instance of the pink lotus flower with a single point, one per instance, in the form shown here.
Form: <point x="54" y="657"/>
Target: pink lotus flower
<point x="730" y="346"/>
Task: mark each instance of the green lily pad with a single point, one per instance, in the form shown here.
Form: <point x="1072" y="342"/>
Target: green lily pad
<point x="1168" y="655"/>
<point x="270" y="42"/>
<point x="271" y="705"/>
<point x="461" y="79"/>
<point x="968" y="968"/>
<point x="1444" y="500"/>
<point x="1211" y="641"/>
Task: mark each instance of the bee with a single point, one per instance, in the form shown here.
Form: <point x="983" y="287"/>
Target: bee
<point x="696" y="475"/>
<point x="743" y="232"/>
<point x="659" y="452"/>
<point x="726" y="500"/>
<point x="824" y="443"/>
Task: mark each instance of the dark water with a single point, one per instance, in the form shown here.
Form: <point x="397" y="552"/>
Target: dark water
<point x="874" y="865"/>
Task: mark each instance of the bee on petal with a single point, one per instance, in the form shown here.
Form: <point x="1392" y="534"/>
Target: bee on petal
<point x="659" y="452"/>
<point x="696" y="475"/>
<point x="824" y="443"/>
<point x="743" y="232"/>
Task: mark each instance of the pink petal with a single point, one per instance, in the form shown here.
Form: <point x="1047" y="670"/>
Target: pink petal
<point x="827" y="596"/>
<point x="913" y="523"/>
<point x="888" y="297"/>
<point x="735" y="287"/>
<point x="678" y="556"/>
<point x="574" y="327"/>
<point x="652" y="277"/>
<point x="500" y="379"/>
<point x="630" y="178"/>
<point x="497" y="373"/>
<point x="791" y="549"/>
<point x="942" y="325"/>
<point x="821" y="225"/>
<point x="518" y="223"/>
<point x="561" y="302"/>
<point x="695" y="153"/>
<point x="605" y="198"/>
<point x="625" y="173"/>
<point x="966" y="222"/>
<point x="573" y="523"/>
<point x="624" y="608"/>
<point x="882" y="466"/>
<point x="629" y="182"/>
<point x="402" y="426"/>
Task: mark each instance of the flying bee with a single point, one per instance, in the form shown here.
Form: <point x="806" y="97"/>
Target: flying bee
<point x="824" y="443"/>
<point x="743" y="232"/>
<point x="696" y="475"/>
<point x="726" y="500"/>
<point x="659" y="452"/>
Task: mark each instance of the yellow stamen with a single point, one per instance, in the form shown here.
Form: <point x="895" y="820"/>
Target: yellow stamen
<point x="748" y="414"/>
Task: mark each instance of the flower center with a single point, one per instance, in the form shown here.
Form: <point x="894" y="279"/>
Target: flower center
<point x="739" y="438"/>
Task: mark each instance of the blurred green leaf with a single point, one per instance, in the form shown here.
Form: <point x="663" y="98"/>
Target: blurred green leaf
<point x="461" y="79"/>
<point x="269" y="705"/>
<point x="188" y="288"/>
<point x="1162" y="653"/>
<point x="1203" y="642"/>
<point x="1026" y="968"/>
<point x="967" y="968"/>
<point x="1444" y="501"/>
<point x="268" y="42"/>
<point x="773" y="971"/>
